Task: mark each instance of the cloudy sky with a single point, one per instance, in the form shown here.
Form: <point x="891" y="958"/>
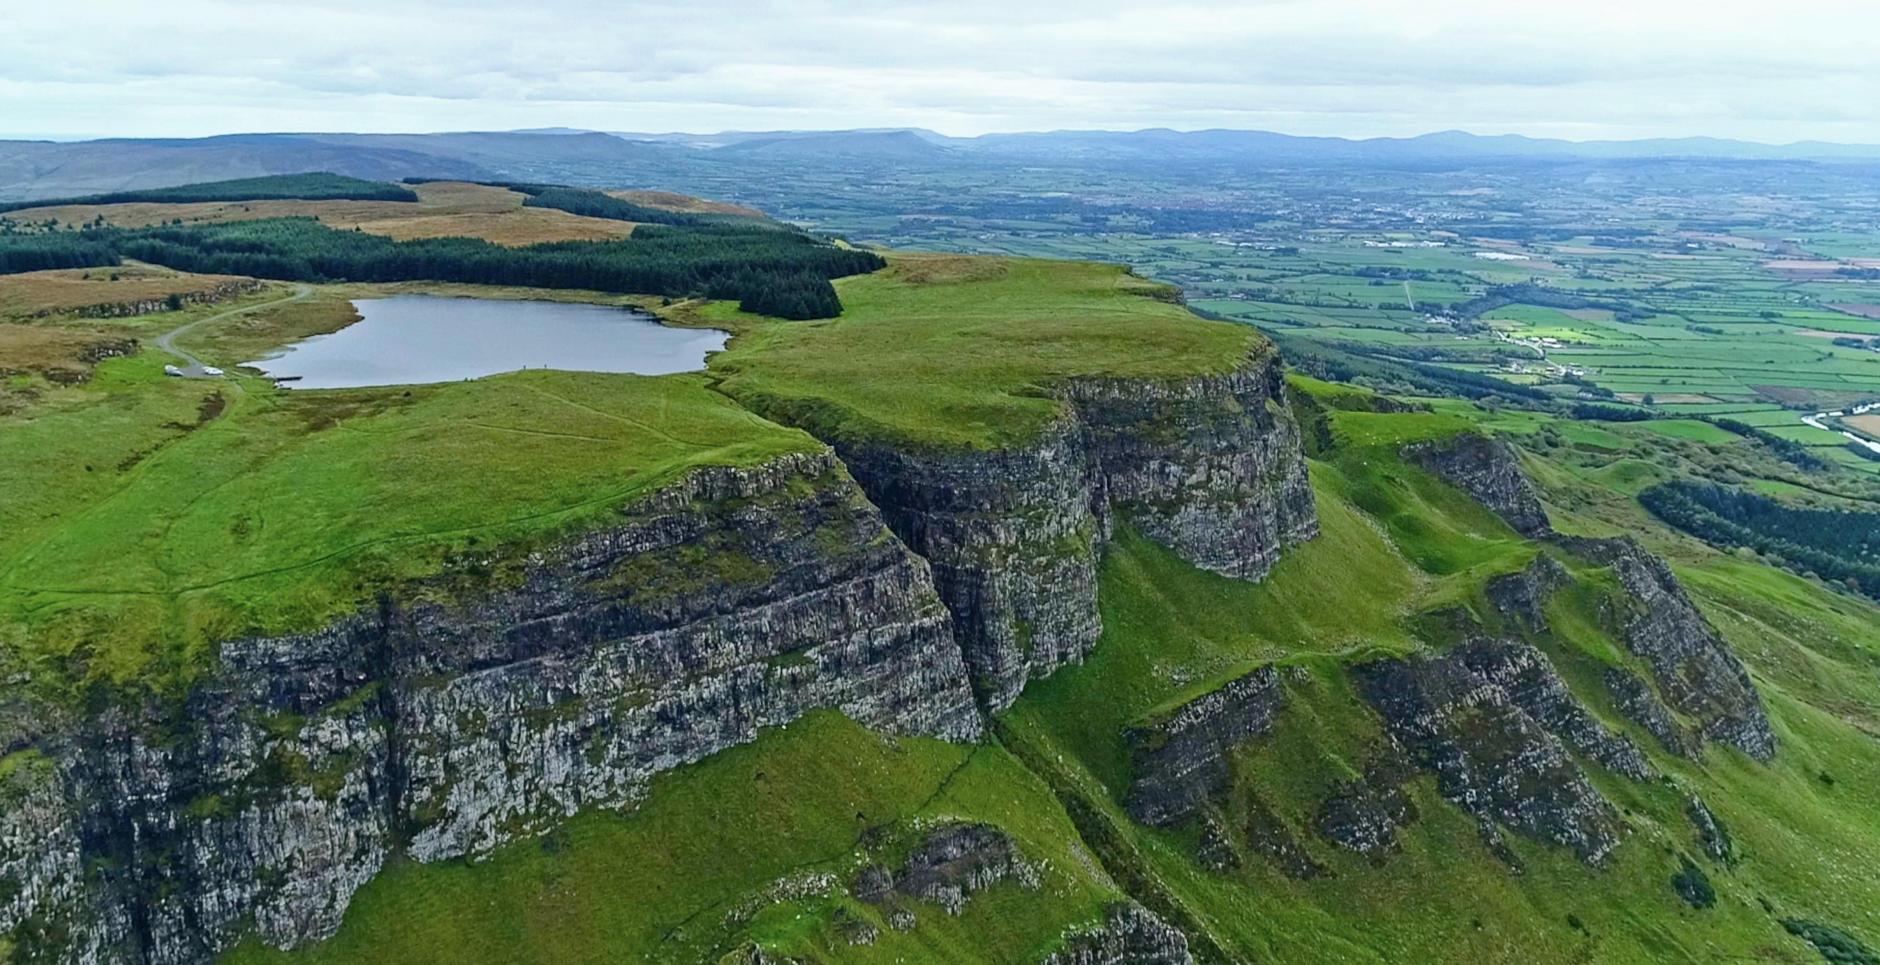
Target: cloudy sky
<point x="1566" y="68"/>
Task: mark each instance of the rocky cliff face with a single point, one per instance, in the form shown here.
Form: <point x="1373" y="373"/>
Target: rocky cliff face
<point x="734" y="600"/>
<point x="1129" y="935"/>
<point x="1695" y="670"/>
<point x="1488" y="722"/>
<point x="1488" y="470"/>
<point x="1209" y="466"/>
<point x="1181" y="761"/>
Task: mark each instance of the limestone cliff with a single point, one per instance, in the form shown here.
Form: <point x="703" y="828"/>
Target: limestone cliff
<point x="1695" y="670"/>
<point x="734" y="600"/>
<point x="1181" y="761"/>
<point x="494" y="701"/>
<point x="1209" y="466"/>
<point x="1488" y="470"/>
<point x="1471" y="719"/>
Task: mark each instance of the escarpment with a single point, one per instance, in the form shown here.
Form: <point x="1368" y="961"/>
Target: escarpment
<point x="1182" y="760"/>
<point x="491" y="703"/>
<point x="1209" y="466"/>
<point x="1492" y="757"/>
<point x="1695" y="670"/>
<point x="1488" y="470"/>
<point x="431" y="730"/>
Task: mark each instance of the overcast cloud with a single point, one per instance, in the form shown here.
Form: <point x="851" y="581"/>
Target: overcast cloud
<point x="1575" y="68"/>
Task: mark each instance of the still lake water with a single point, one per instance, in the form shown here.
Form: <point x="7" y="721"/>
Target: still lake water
<point x="410" y="339"/>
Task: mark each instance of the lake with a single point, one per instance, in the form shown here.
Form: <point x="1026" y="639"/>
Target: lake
<point x="411" y="339"/>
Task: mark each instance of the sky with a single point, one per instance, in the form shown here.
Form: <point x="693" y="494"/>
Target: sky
<point x="1579" y="69"/>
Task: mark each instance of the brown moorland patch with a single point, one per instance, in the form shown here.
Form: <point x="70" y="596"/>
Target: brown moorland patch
<point x="33" y="293"/>
<point x="445" y="209"/>
<point x="60" y="353"/>
<point x="672" y="201"/>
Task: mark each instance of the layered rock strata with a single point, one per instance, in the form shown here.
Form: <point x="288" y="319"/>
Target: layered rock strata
<point x="734" y="600"/>
<point x="1490" y="756"/>
<point x="1695" y="670"/>
<point x="1182" y="760"/>
<point x="1209" y="466"/>
<point x="1489" y="470"/>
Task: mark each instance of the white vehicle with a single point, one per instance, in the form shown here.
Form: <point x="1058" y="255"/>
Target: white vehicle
<point x="172" y="370"/>
<point x="211" y="370"/>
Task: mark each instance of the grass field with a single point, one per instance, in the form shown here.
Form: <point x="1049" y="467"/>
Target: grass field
<point x="158" y="515"/>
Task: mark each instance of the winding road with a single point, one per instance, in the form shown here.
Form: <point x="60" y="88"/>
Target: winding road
<point x="192" y="367"/>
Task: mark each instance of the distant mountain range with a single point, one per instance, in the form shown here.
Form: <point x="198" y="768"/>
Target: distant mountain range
<point x="47" y="169"/>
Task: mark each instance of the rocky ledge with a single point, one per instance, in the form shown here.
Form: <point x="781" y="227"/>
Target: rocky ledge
<point x="1489" y="470"/>
<point x="1181" y="760"/>
<point x="1129" y="935"/>
<point x="1457" y="717"/>
<point x="1695" y="670"/>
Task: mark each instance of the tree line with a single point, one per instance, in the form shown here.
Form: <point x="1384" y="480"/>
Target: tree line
<point x="768" y="270"/>
<point x="1836" y="544"/>
<point x="317" y="186"/>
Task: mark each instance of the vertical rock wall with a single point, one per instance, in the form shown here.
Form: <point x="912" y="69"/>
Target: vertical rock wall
<point x="1209" y="466"/>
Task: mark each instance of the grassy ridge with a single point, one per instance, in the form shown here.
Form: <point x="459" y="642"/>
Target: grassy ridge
<point x="958" y="352"/>
<point x="1806" y="828"/>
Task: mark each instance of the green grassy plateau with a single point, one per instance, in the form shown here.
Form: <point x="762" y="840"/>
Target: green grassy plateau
<point x="955" y="352"/>
<point x="155" y="516"/>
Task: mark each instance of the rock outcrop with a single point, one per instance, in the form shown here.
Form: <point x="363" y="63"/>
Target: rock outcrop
<point x="948" y="865"/>
<point x="1489" y="470"/>
<point x="148" y="306"/>
<point x="1635" y="699"/>
<point x="1129" y="935"/>
<point x="436" y="730"/>
<point x="1209" y="466"/>
<point x="1181" y="760"/>
<point x="1695" y="671"/>
<point x="1364" y="815"/>
<point x="1529" y="680"/>
<point x="1491" y="757"/>
<point x="1522" y="597"/>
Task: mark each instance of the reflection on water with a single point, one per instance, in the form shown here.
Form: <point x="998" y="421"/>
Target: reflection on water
<point x="408" y="339"/>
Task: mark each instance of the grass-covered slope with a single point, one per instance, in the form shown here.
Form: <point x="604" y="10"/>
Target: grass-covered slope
<point x="952" y="351"/>
<point x="748" y="846"/>
<point x="1396" y="544"/>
